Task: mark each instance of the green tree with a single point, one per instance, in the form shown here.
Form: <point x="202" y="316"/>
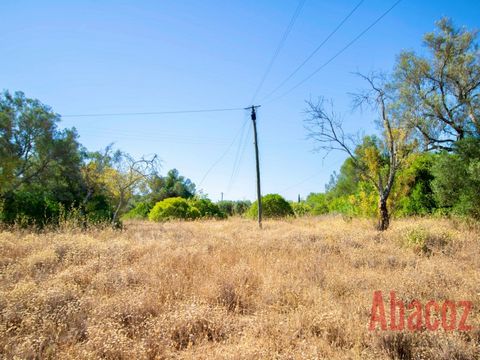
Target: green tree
<point x="440" y="93"/>
<point x="457" y="178"/>
<point x="413" y="193"/>
<point x="171" y="185"/>
<point x="39" y="163"/>
<point x="346" y="182"/>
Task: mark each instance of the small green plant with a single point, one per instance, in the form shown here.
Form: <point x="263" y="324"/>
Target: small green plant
<point x="273" y="205"/>
<point x="424" y="242"/>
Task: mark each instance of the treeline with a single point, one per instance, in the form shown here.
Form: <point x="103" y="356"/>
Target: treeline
<point x="47" y="177"/>
<point x="445" y="183"/>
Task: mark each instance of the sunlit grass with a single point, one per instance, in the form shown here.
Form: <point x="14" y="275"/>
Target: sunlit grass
<point x="299" y="289"/>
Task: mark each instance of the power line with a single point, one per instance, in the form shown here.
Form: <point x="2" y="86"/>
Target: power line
<point x="309" y="57"/>
<point x="338" y="53"/>
<point x="223" y="155"/>
<point x="242" y="153"/>
<point x="155" y="112"/>
<point x="157" y="135"/>
<point x="241" y="145"/>
<point x="279" y="47"/>
<point x="156" y="139"/>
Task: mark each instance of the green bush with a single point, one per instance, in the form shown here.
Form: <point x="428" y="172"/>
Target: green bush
<point x="301" y="208"/>
<point x="234" y="208"/>
<point x="207" y="209"/>
<point x="227" y="207"/>
<point x="241" y="207"/>
<point x="140" y="211"/>
<point x="273" y="205"/>
<point x="98" y="210"/>
<point x="423" y="241"/>
<point x="173" y="208"/>
<point x="318" y="203"/>
<point x="29" y="208"/>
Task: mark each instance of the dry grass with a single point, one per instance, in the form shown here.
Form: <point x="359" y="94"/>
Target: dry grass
<point x="299" y="289"/>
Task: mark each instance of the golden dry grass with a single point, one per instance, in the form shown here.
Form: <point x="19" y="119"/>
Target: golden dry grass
<point x="299" y="289"/>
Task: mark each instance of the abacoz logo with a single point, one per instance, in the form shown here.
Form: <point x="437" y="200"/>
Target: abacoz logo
<point x="450" y="315"/>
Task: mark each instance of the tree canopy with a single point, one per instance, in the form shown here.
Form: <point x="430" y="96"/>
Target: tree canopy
<point x="440" y="93"/>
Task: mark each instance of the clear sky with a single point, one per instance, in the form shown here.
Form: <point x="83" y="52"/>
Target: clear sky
<point x="83" y="57"/>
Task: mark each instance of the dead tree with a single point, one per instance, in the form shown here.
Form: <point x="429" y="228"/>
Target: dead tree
<point x="325" y="127"/>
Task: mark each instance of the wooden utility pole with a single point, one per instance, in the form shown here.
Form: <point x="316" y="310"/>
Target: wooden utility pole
<point x="255" y="141"/>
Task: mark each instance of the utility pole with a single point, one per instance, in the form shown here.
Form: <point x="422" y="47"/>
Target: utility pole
<point x="255" y="141"/>
<point x="221" y="196"/>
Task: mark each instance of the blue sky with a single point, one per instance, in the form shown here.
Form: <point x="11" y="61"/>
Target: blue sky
<point x="83" y="57"/>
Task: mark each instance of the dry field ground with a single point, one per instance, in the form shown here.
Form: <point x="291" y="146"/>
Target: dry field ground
<point x="299" y="289"/>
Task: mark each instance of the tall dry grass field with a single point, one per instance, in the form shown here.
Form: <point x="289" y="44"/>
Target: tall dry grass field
<point x="299" y="289"/>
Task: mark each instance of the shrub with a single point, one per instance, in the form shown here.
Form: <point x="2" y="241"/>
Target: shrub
<point x="318" y="203"/>
<point x="232" y="208"/>
<point x="173" y="208"/>
<point x="423" y="241"/>
<point x="227" y="207"/>
<point x="207" y="208"/>
<point x="273" y="205"/>
<point x="140" y="211"/>
<point x="301" y="208"/>
<point x="98" y="210"/>
<point x="241" y="207"/>
<point x="29" y="208"/>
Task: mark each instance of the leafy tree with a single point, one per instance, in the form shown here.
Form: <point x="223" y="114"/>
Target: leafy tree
<point x="346" y="182"/>
<point x="440" y="93"/>
<point x="273" y="206"/>
<point x="171" y="185"/>
<point x="39" y="164"/>
<point x="457" y="178"/>
<point x="413" y="193"/>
